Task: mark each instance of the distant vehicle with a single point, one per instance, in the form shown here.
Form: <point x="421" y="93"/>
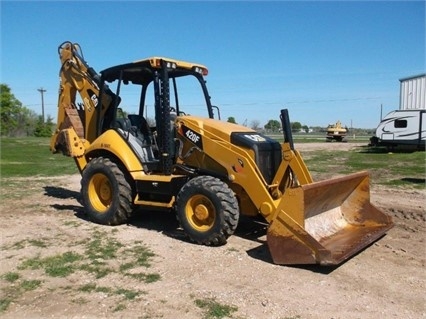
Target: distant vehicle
<point x="336" y="132"/>
<point x="401" y="127"/>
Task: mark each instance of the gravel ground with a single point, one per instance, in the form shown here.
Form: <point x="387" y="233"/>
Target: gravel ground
<point x="42" y="217"/>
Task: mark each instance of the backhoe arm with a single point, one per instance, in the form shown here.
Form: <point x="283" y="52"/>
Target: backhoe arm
<point x="78" y="125"/>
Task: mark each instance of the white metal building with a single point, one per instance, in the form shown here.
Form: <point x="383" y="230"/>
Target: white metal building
<point x="413" y="93"/>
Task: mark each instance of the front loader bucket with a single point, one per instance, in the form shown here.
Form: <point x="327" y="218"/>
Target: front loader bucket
<point x="326" y="222"/>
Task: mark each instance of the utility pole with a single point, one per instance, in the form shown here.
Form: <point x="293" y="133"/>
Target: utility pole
<point x="41" y="90"/>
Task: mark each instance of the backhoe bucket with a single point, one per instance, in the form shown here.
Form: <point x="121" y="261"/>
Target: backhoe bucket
<point x="326" y="222"/>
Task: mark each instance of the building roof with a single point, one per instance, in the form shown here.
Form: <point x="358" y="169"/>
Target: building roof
<point x="412" y="77"/>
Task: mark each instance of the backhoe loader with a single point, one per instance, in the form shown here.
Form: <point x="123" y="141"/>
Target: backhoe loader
<point x="208" y="171"/>
<point x="336" y="132"/>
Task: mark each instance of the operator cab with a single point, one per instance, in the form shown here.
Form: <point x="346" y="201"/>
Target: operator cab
<point x="166" y="88"/>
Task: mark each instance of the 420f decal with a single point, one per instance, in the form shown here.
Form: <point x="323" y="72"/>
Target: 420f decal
<point x="192" y="136"/>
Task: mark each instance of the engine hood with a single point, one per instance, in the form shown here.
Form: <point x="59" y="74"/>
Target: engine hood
<point x="212" y="128"/>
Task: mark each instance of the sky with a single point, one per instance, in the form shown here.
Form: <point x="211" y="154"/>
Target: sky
<point x="323" y="60"/>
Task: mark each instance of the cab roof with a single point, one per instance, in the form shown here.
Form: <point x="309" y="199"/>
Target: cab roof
<point x="139" y="70"/>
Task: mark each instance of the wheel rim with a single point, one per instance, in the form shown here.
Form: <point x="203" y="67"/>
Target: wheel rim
<point x="200" y="213"/>
<point x="100" y="192"/>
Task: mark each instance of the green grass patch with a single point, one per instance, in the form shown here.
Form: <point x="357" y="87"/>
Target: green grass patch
<point x="15" y="246"/>
<point x="148" y="278"/>
<point x="96" y="255"/>
<point x="38" y="243"/>
<point x="92" y="287"/>
<point x="138" y="256"/>
<point x="11" y="276"/>
<point x="29" y="156"/>
<point x="4" y="304"/>
<point x="127" y="294"/>
<point x="28" y="285"/>
<point x="54" y="266"/>
<point x="389" y="169"/>
<point x="142" y="254"/>
<point x="99" y="250"/>
<point x="213" y="309"/>
<point x="102" y="247"/>
<point x="100" y="270"/>
<point x="16" y="290"/>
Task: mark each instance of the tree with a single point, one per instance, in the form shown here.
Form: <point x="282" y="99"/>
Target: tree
<point x="273" y="125"/>
<point x="43" y="129"/>
<point x="296" y="126"/>
<point x="231" y="119"/>
<point x="9" y="110"/>
<point x="255" y="124"/>
<point x="15" y="119"/>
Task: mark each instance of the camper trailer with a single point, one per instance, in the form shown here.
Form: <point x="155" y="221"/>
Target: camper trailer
<point x="406" y="126"/>
<point x="402" y="127"/>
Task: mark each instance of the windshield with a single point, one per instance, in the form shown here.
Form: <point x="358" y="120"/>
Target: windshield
<point x="187" y="92"/>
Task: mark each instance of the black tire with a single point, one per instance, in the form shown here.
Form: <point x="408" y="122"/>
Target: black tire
<point x="106" y="194"/>
<point x="207" y="210"/>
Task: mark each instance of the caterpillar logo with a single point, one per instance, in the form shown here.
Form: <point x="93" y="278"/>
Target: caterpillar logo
<point x="255" y="137"/>
<point x="192" y="136"/>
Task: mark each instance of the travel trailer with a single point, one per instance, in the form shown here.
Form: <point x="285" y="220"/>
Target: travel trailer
<point x="406" y="126"/>
<point x="401" y="127"/>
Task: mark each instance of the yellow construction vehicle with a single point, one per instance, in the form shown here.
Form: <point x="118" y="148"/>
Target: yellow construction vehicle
<point x="207" y="170"/>
<point x="336" y="132"/>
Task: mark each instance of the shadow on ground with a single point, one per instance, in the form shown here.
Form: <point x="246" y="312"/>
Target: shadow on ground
<point x="63" y="193"/>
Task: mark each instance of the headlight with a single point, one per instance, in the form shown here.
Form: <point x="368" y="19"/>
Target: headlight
<point x="171" y="65"/>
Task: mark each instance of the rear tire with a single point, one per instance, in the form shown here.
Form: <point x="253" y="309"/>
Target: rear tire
<point x="207" y="210"/>
<point x="106" y="194"/>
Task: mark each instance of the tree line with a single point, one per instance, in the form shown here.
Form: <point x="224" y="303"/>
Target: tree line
<point x="273" y="126"/>
<point x="17" y="120"/>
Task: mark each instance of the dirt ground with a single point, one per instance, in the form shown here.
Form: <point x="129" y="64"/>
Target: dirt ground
<point x="42" y="218"/>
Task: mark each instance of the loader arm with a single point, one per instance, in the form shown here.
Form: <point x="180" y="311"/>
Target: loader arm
<point x="78" y="125"/>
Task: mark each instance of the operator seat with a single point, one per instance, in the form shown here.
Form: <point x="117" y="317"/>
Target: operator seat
<point x="139" y="137"/>
<point x="142" y="129"/>
<point x="123" y="124"/>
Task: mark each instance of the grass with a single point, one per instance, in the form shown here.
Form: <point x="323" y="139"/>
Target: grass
<point x="142" y="253"/>
<point x="102" y="247"/>
<point x="31" y="156"/>
<point x="28" y="285"/>
<point x="40" y="243"/>
<point x="96" y="256"/>
<point x="213" y="309"/>
<point x="55" y="266"/>
<point x="401" y="169"/>
<point x="4" y="303"/>
<point x="15" y="291"/>
<point x="11" y="276"/>
<point x="389" y="169"/>
<point x="127" y="294"/>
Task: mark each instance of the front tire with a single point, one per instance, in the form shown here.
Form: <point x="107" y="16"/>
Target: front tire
<point x="106" y="194"/>
<point x="207" y="210"/>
